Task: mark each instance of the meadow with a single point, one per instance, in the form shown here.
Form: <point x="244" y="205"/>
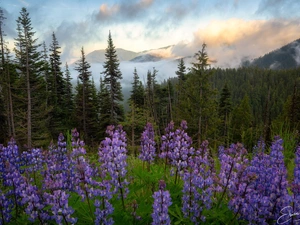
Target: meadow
<point x="170" y="182"/>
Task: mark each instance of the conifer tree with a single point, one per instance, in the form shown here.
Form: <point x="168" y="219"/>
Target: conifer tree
<point x="104" y="108"/>
<point x="4" y="119"/>
<point x="135" y="118"/>
<point x="82" y="66"/>
<point x="46" y="72"/>
<point x="56" y="88"/>
<point x="137" y="93"/>
<point x="242" y="118"/>
<point x="181" y="75"/>
<point x="112" y="77"/>
<point x="69" y="99"/>
<point x="32" y="106"/>
<point x="10" y="78"/>
<point x="181" y="72"/>
<point x="197" y="104"/>
<point x="86" y="100"/>
<point x="225" y="108"/>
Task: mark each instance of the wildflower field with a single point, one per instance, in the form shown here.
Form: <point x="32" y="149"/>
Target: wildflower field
<point x="174" y="183"/>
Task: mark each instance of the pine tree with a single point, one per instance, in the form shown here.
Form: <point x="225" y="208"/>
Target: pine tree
<point x="69" y="99"/>
<point x="112" y="75"/>
<point x="225" y="108"/>
<point x="32" y="105"/>
<point x="181" y="75"/>
<point x="57" y="89"/>
<point x="137" y="93"/>
<point x="86" y="100"/>
<point x="197" y="103"/>
<point x="242" y="118"/>
<point x="4" y="115"/>
<point x="181" y="72"/>
<point x="10" y="78"/>
<point x="46" y="74"/>
<point x="135" y="118"/>
<point x="104" y="109"/>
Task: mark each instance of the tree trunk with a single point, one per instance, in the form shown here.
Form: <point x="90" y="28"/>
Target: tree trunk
<point x="132" y="130"/>
<point x="11" y="111"/>
<point x="29" y="138"/>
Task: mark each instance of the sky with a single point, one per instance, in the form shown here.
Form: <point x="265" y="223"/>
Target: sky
<point x="233" y="30"/>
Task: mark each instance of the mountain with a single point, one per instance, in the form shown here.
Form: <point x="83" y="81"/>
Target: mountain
<point x="285" y="57"/>
<point x="152" y="55"/>
<point x="146" y="58"/>
<point x="98" y="56"/>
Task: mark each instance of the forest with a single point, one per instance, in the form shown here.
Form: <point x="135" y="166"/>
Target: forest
<point x="224" y="106"/>
<point x="247" y="106"/>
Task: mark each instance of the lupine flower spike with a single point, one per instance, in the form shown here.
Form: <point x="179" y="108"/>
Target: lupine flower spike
<point x="162" y="201"/>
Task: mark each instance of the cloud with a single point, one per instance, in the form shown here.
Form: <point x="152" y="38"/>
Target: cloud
<point x="122" y="12"/>
<point x="279" y="8"/>
<point x="231" y="40"/>
<point x="9" y="24"/>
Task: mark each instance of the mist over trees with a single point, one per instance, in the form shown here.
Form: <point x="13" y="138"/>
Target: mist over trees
<point x="37" y="100"/>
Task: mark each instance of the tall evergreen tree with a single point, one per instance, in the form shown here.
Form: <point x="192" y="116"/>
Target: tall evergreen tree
<point x="46" y="70"/>
<point x="181" y="75"/>
<point x="241" y="124"/>
<point x="9" y="80"/>
<point x="32" y="108"/>
<point x="225" y="108"/>
<point x="69" y="99"/>
<point x="112" y="77"/>
<point x="137" y="93"/>
<point x="56" y="88"/>
<point x="104" y="108"/>
<point x="197" y="102"/>
<point x="135" y="118"/>
<point x="86" y="100"/>
<point x="4" y="119"/>
<point x="181" y="72"/>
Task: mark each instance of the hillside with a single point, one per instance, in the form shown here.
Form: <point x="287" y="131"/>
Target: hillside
<point x="98" y="56"/>
<point x="152" y="55"/>
<point x="286" y="57"/>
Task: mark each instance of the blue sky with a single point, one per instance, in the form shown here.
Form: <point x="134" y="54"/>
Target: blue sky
<point x="232" y="29"/>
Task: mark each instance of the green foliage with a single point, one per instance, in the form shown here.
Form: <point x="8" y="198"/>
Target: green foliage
<point x="197" y="103"/>
<point x="112" y="75"/>
<point x="241" y="123"/>
<point x="86" y="102"/>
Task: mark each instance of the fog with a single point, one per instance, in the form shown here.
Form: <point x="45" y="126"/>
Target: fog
<point x="165" y="68"/>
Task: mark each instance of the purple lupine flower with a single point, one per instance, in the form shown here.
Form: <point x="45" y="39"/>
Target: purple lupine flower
<point x="198" y="185"/>
<point x="295" y="187"/>
<point x="112" y="156"/>
<point x="84" y="178"/>
<point x="179" y="148"/>
<point x="77" y="144"/>
<point x="233" y="164"/>
<point x="260" y="147"/>
<point x="182" y="150"/>
<point x="59" y="172"/>
<point x="103" y="207"/>
<point x="35" y="206"/>
<point x="15" y="183"/>
<point x="167" y="140"/>
<point x="6" y="206"/>
<point x="11" y="154"/>
<point x="61" y="211"/>
<point x="268" y="195"/>
<point x="147" y="144"/>
<point x="162" y="201"/>
<point x="33" y="160"/>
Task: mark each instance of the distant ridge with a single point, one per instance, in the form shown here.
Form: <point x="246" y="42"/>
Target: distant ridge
<point x="286" y="57"/>
<point x="98" y="56"/>
<point x="152" y="55"/>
